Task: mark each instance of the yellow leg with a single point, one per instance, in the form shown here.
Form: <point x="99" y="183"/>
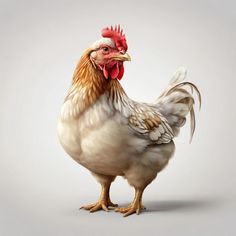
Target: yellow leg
<point x="104" y="201"/>
<point x="135" y="207"/>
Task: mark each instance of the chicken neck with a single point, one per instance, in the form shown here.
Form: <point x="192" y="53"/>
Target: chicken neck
<point x="90" y="83"/>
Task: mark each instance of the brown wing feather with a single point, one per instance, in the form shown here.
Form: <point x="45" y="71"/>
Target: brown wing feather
<point x="145" y="120"/>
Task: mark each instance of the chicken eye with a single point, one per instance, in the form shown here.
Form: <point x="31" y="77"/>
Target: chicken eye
<point x="105" y="49"/>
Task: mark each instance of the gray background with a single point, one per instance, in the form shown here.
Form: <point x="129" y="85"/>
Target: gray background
<point x="42" y="188"/>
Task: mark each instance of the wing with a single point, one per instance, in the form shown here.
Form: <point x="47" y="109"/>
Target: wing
<point x="146" y="121"/>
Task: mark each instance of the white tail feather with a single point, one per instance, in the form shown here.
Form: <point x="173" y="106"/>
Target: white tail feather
<point x="176" y="102"/>
<point x="178" y="76"/>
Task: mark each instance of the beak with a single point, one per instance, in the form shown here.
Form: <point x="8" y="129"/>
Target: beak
<point x="122" y="57"/>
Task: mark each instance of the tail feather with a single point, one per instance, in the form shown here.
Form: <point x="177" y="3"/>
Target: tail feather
<point x="177" y="101"/>
<point x="178" y="76"/>
<point x="193" y="88"/>
<point x="192" y="124"/>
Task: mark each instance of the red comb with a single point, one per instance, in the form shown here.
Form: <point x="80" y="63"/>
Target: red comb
<point x="116" y="34"/>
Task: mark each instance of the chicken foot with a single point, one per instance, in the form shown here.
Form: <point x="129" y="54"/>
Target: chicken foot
<point x="104" y="201"/>
<point x="135" y="207"/>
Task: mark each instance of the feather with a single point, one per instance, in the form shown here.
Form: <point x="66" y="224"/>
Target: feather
<point x="178" y="76"/>
<point x="192" y="124"/>
<point x="191" y="85"/>
<point x="176" y="102"/>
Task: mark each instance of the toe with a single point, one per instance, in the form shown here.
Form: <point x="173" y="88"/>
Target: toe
<point x="122" y="209"/>
<point x="112" y="204"/>
<point x="117" y="209"/>
<point x="130" y="212"/>
<point x="104" y="207"/>
<point x="95" y="208"/>
<point x="138" y="210"/>
<point x="88" y="207"/>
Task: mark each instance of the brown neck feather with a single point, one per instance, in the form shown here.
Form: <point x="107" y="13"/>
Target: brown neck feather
<point x="90" y="83"/>
<point x="88" y="77"/>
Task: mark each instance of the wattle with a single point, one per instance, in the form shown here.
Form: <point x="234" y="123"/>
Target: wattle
<point x="115" y="72"/>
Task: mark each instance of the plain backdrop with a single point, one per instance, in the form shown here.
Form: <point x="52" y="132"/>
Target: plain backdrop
<point x="42" y="188"/>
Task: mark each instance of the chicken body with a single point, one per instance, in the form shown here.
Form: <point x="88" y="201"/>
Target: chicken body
<point x="102" y="141"/>
<point x="111" y="135"/>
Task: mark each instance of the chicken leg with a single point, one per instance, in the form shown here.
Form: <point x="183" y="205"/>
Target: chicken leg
<point x="135" y="207"/>
<point x="104" y="201"/>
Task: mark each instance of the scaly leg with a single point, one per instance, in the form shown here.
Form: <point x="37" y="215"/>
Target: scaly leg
<point x="104" y="201"/>
<point x="135" y="207"/>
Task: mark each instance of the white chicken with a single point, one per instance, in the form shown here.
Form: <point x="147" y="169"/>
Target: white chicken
<point x="111" y="135"/>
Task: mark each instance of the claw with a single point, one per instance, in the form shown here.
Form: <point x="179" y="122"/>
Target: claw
<point x="130" y="212"/>
<point x="95" y="208"/>
<point x="88" y="207"/>
<point x="111" y="204"/>
<point x="131" y="209"/>
<point x="104" y="207"/>
<point x="135" y="207"/>
<point x="138" y="211"/>
<point x="100" y="205"/>
<point x="103" y="203"/>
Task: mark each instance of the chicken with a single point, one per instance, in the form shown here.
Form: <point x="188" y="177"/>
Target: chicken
<point x="111" y="135"/>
